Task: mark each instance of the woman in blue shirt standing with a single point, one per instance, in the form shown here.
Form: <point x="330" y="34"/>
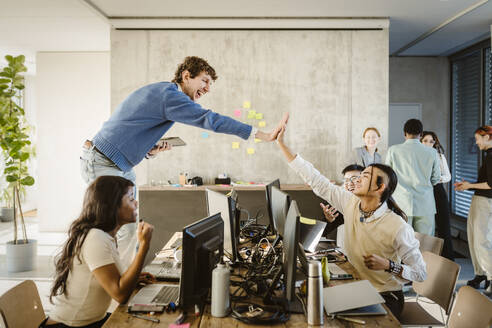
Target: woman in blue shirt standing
<point x="368" y="154"/>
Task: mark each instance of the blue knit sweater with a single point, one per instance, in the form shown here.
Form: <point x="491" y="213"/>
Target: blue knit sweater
<point x="145" y="116"/>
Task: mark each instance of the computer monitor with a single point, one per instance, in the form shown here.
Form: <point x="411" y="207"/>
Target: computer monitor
<point x="280" y="206"/>
<point x="290" y="249"/>
<point x="203" y="244"/>
<point x="310" y="234"/>
<point x="226" y="206"/>
<point x="268" y="194"/>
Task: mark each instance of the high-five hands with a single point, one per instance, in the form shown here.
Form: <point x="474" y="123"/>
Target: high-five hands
<point x="273" y="135"/>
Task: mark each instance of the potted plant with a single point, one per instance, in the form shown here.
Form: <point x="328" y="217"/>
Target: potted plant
<point x="16" y="150"/>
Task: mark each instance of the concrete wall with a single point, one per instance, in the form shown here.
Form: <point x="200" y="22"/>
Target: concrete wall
<point x="72" y="93"/>
<point x="424" y="80"/>
<point x="333" y="83"/>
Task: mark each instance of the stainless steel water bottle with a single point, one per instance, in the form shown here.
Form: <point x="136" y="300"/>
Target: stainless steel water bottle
<point x="220" y="290"/>
<point x="315" y="294"/>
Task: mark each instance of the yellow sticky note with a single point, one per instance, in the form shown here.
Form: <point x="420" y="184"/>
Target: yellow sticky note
<point x="251" y="151"/>
<point x="307" y="221"/>
<point x="262" y="124"/>
<point x="246" y="104"/>
<point x="259" y="116"/>
<point x="235" y="145"/>
<point x="257" y="140"/>
<point x="251" y="113"/>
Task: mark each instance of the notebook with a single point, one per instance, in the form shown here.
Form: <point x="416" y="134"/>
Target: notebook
<point x="350" y="296"/>
<point x="155" y="294"/>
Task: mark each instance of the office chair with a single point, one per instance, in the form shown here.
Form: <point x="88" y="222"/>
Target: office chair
<point x="429" y="243"/>
<point x="21" y="306"/>
<point x="471" y="309"/>
<point x="439" y="286"/>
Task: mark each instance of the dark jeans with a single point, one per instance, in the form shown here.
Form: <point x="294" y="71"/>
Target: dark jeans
<point x="97" y="324"/>
<point x="394" y="301"/>
<point x="443" y="227"/>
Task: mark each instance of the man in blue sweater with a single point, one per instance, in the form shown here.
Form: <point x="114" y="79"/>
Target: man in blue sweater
<point x="134" y="129"/>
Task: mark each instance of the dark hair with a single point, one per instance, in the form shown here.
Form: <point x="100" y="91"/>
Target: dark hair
<point x="437" y="144"/>
<point x="413" y="126"/>
<point x="352" y="167"/>
<point x="386" y="196"/>
<point x="194" y="65"/>
<point x="484" y="130"/>
<point x="102" y="201"/>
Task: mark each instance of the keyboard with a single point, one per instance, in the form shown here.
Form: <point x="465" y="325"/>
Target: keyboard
<point x="166" y="295"/>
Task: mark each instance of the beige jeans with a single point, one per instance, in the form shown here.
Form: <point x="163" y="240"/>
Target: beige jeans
<point x="479" y="231"/>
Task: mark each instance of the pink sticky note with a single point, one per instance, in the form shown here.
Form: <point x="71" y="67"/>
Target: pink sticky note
<point x="183" y="325"/>
<point x="237" y="113"/>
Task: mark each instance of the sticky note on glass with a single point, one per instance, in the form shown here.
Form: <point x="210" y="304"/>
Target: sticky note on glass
<point x="204" y="135"/>
<point x="237" y="113"/>
<point x="251" y="114"/>
<point x="262" y="124"/>
<point x="307" y="221"/>
<point x="259" y="116"/>
<point x="251" y="151"/>
<point x="257" y="140"/>
<point x="246" y="104"/>
<point x="235" y="145"/>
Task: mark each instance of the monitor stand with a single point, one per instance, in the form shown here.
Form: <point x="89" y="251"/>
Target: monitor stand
<point x="295" y="306"/>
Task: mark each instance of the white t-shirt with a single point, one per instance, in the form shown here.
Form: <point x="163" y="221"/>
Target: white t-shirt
<point x="85" y="300"/>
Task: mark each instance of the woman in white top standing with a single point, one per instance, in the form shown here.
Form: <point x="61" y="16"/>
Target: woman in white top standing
<point x="89" y="272"/>
<point x="443" y="228"/>
<point x="368" y="154"/>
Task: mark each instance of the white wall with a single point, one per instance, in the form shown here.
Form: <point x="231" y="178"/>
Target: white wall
<point x="72" y="101"/>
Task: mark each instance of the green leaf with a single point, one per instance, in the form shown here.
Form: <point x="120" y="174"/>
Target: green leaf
<point x="12" y="178"/>
<point x="24" y="157"/>
<point x="10" y="169"/>
<point x="4" y="80"/>
<point x="27" y="181"/>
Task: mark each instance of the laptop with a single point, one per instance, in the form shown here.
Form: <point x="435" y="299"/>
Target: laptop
<point x="165" y="266"/>
<point x="155" y="295"/>
<point x="354" y="298"/>
<point x="311" y="232"/>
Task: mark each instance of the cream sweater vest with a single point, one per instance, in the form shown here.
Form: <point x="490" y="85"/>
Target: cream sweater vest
<point x="375" y="237"/>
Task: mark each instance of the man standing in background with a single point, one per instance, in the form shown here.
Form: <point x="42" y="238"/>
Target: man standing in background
<point x="418" y="170"/>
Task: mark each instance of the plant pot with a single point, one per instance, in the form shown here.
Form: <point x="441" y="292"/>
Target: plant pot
<point x="21" y="257"/>
<point x="6" y="214"/>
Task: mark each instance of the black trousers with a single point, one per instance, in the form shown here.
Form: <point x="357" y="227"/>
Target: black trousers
<point x="394" y="301"/>
<point x="97" y="324"/>
<point x="443" y="226"/>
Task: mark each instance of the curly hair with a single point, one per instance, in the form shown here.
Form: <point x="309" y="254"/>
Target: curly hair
<point x="194" y="65"/>
<point x="102" y="201"/>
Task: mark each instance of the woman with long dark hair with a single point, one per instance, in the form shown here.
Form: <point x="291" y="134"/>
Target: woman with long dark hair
<point x="377" y="238"/>
<point x="89" y="271"/>
<point x="479" y="223"/>
<point x="443" y="227"/>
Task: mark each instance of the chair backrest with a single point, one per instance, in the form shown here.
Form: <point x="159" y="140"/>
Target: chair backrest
<point x="440" y="283"/>
<point x="21" y="306"/>
<point x="471" y="309"/>
<point x="429" y="243"/>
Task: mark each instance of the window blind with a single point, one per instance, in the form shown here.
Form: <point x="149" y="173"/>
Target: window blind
<point x="466" y="78"/>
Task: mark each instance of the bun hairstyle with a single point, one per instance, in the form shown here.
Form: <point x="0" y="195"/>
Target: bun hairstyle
<point x="386" y="196"/>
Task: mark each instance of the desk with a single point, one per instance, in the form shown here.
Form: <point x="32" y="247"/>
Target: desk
<point x="121" y="319"/>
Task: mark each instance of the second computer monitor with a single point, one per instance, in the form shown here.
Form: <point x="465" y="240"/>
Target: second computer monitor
<point x="280" y="206"/>
<point x="290" y="248"/>
<point x="268" y="193"/>
<point x="226" y="206"/>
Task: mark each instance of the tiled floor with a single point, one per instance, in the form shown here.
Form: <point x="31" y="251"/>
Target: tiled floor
<point x="49" y="246"/>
